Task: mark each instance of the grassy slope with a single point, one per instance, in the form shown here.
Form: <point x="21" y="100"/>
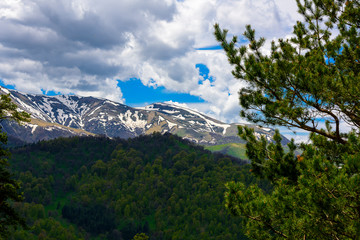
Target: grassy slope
<point x="233" y="149"/>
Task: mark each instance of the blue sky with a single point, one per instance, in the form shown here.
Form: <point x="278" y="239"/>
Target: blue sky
<point x="215" y="47"/>
<point x="6" y="85"/>
<point x="137" y="94"/>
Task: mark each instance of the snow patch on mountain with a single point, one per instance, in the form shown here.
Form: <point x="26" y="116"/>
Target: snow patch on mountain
<point x="170" y="111"/>
<point x="5" y="90"/>
<point x="160" y="119"/>
<point x="148" y="108"/>
<point x="265" y="129"/>
<point x="179" y="117"/>
<point x="130" y="123"/>
<point x="34" y="112"/>
<point x="171" y="125"/>
<point x="47" y="108"/>
<point x="61" y="116"/>
<point x="113" y="103"/>
<point x="83" y="109"/>
<point x="259" y="135"/>
<point x="95" y="110"/>
<point x="32" y="126"/>
<point x="68" y="101"/>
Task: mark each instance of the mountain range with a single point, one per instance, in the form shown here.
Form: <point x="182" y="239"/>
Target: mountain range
<point x="71" y="115"/>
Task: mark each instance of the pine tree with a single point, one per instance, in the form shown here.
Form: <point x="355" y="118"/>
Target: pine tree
<point x="310" y="79"/>
<point x="9" y="188"/>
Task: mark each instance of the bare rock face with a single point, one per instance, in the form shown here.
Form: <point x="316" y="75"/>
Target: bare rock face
<point x="65" y="116"/>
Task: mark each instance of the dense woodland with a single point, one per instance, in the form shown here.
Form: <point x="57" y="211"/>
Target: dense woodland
<point x="98" y="188"/>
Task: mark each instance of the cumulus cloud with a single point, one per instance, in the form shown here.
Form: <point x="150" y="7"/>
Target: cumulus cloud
<point x="85" y="46"/>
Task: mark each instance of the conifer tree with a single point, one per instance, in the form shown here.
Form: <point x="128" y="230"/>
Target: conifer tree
<point x="9" y="188"/>
<point x="305" y="81"/>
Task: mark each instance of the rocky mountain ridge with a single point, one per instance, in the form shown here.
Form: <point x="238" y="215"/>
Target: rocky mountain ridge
<point x="64" y="116"/>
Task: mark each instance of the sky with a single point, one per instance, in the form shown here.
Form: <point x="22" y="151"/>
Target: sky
<point x="134" y="52"/>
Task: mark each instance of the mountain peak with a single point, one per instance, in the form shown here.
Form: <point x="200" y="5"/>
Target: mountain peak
<point x="74" y="115"/>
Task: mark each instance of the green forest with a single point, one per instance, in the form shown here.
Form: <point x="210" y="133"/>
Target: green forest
<point x="98" y="188"/>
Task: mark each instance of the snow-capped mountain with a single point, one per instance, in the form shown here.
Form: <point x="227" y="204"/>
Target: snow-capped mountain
<point x="55" y="116"/>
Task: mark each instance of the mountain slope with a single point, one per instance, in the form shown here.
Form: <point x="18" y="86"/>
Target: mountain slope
<point x="55" y="116"/>
<point x="237" y="150"/>
<point x="160" y="185"/>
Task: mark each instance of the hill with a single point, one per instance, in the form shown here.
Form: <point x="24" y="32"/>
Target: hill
<point x="161" y="185"/>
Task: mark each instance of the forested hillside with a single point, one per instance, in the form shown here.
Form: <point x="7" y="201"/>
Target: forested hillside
<point x="94" y="187"/>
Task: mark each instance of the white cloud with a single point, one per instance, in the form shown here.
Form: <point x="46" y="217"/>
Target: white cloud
<point x="84" y="46"/>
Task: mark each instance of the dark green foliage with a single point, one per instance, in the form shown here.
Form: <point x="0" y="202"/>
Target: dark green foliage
<point x="159" y="185"/>
<point x="9" y="188"/>
<point x="63" y="155"/>
<point x="94" y="218"/>
<point x="310" y="79"/>
<point x="41" y="226"/>
<point x="269" y="160"/>
<point x="131" y="229"/>
<point x="316" y="197"/>
<point x="8" y="191"/>
<point x="48" y="166"/>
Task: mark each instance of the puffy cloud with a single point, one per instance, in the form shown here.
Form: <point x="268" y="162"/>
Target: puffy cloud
<point x="84" y="46"/>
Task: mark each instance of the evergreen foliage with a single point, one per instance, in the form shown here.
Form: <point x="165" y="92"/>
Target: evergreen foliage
<point x="94" y="218"/>
<point x="9" y="188"/>
<point x="42" y="225"/>
<point x="160" y="185"/>
<point x="307" y="80"/>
